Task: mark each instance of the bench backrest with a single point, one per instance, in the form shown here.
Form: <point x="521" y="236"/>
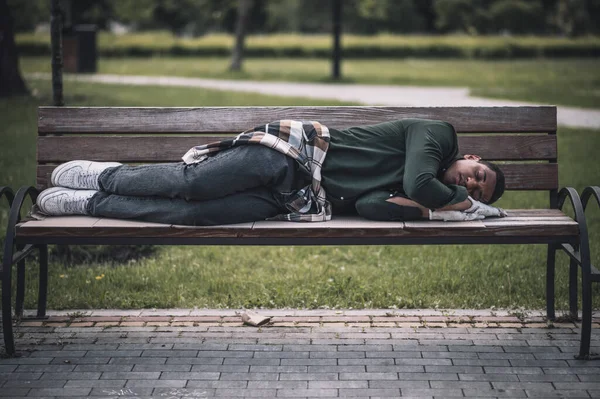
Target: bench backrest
<point x="524" y="137"/>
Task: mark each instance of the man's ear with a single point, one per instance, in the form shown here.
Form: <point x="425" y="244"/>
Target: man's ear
<point x="471" y="157"/>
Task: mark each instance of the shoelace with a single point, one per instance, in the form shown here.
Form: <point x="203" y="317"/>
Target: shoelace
<point x="88" y="179"/>
<point x="76" y="204"/>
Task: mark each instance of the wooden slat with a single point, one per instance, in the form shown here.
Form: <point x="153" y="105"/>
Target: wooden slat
<point x="57" y="149"/>
<point x="518" y="176"/>
<point x="237" y="119"/>
<point x="338" y="228"/>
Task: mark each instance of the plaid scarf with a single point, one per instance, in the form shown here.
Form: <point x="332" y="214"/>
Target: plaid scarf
<point x="304" y="141"/>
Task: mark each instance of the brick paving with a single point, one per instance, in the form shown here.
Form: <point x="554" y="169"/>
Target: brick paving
<point x="184" y="353"/>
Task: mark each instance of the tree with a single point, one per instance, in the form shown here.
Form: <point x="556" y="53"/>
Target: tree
<point x="572" y="17"/>
<point x="241" y="28"/>
<point x="517" y="16"/>
<point x="11" y="82"/>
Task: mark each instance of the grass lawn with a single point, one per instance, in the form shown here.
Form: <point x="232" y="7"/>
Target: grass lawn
<point x="574" y="82"/>
<point x="303" y="277"/>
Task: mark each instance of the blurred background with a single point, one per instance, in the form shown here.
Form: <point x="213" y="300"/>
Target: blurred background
<point x="524" y="51"/>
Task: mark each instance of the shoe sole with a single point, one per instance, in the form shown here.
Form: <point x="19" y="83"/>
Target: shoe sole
<point x="45" y="196"/>
<point x="58" y="170"/>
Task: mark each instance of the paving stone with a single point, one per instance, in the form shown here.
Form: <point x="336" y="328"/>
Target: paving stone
<point x="103" y="367"/>
<point x="558" y="393"/>
<point x="310" y="362"/>
<point x="538" y="363"/>
<point x="20" y="376"/>
<point x="160" y="367"/>
<point x="95" y="383"/>
<point x="424" y="362"/>
<point x="454" y="369"/>
<point x="146" y="346"/>
<point x="536" y="386"/>
<point x="130" y="375"/>
<point x="459" y="384"/>
<point x="336" y="369"/>
<point x="221" y="368"/>
<point x="336" y="384"/>
<point x="59" y="392"/>
<point x="508" y="393"/>
<point x="264" y="384"/>
<point x="217" y="384"/>
<point x="368" y="376"/>
<point x="247" y="376"/>
<point x="138" y="360"/>
<point x="280" y="369"/>
<point x="71" y="376"/>
<point x="42" y="368"/>
<point x="402" y="384"/>
<point x="374" y="392"/>
<point x="81" y="360"/>
<point x="491" y="377"/>
<point x="395" y="369"/>
<point x="14" y="392"/>
<point x="366" y="362"/>
<point x="310" y="348"/>
<point x="308" y="377"/>
<point x="256" y="362"/>
<point x="507" y="356"/>
<point x="449" y="355"/>
<point x="513" y="370"/>
<point x="34" y="384"/>
<point x="157" y="383"/>
<point x="121" y="391"/>
<point x="577" y="385"/>
<point x="280" y="355"/>
<point x="286" y="393"/>
<point x="225" y="354"/>
<point x="55" y="353"/>
<point x="115" y="353"/>
<point x="480" y="362"/>
<point x="407" y="392"/>
<point x="254" y="393"/>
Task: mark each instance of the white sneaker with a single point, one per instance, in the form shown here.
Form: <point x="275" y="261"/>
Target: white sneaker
<point x="60" y="201"/>
<point x="80" y="174"/>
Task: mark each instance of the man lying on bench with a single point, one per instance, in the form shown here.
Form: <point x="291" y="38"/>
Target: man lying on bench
<point x="401" y="170"/>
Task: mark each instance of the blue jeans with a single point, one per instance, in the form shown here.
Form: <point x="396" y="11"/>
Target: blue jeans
<point x="241" y="184"/>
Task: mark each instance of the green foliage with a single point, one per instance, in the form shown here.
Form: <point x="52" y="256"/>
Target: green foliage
<point x="300" y="46"/>
<point x="517" y="16"/>
<point x="27" y="14"/>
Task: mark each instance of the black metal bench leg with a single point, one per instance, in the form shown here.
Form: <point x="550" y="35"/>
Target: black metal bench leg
<point x="550" y="277"/>
<point x="7" y="327"/>
<point x="43" y="288"/>
<point x="586" y="319"/>
<point x="20" y="286"/>
<point x="573" y="289"/>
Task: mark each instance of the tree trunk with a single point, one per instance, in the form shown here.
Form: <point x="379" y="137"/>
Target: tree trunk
<point x="56" y="26"/>
<point x="241" y="26"/>
<point x="11" y="82"/>
<point x="337" y="32"/>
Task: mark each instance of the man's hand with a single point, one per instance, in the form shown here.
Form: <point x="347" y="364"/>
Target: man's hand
<point x="479" y="208"/>
<point x="454" y="216"/>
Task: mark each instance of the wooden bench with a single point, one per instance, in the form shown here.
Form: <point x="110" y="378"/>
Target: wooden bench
<point x="145" y="135"/>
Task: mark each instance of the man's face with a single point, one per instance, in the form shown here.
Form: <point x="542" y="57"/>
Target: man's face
<point x="479" y="180"/>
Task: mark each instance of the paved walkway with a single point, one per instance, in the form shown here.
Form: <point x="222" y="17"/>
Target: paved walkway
<point x="184" y="353"/>
<point x="364" y="94"/>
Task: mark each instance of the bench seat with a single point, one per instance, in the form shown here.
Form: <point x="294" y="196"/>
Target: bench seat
<point x="522" y="225"/>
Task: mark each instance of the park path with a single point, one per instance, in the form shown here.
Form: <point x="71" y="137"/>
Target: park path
<point x="409" y="96"/>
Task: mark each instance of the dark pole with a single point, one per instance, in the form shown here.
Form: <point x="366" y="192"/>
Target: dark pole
<point x="337" y="31"/>
<point x="57" y="56"/>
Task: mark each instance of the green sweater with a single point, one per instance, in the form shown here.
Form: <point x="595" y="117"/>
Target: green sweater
<point x="367" y="165"/>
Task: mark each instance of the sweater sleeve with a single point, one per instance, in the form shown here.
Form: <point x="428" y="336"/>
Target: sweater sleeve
<point x="374" y="206"/>
<point x="424" y="154"/>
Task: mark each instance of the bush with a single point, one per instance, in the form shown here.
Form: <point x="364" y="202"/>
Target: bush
<point x="290" y="46"/>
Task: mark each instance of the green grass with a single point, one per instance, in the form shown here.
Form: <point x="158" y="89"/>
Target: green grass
<point x="573" y="82"/>
<point x="454" y="276"/>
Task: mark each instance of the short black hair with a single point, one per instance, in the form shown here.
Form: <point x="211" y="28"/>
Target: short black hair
<point x="499" y="189"/>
